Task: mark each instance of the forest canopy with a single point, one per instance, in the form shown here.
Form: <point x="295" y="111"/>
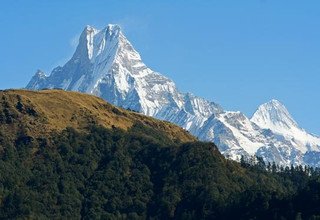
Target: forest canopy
<point x="142" y="174"/>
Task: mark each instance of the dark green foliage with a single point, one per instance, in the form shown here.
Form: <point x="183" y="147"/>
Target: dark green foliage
<point x="141" y="174"/>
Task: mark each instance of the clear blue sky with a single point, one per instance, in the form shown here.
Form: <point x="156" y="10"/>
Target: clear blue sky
<point x="236" y="53"/>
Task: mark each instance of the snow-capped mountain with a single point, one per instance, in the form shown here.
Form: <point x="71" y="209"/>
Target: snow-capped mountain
<point x="274" y="116"/>
<point x="105" y="64"/>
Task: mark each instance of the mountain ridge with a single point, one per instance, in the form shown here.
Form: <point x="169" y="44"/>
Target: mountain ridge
<point x="109" y="67"/>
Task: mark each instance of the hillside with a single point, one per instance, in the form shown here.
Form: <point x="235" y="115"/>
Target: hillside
<point x="43" y="112"/>
<point x="66" y="155"/>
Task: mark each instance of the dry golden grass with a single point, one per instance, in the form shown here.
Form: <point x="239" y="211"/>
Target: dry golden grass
<point x="41" y="112"/>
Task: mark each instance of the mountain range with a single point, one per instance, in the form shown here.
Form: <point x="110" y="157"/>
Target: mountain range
<point x="105" y="64"/>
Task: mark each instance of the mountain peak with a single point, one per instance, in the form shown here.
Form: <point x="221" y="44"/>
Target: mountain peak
<point x="273" y="115"/>
<point x="92" y="41"/>
<point x="108" y="28"/>
<point x="113" y="27"/>
<point x="88" y="28"/>
<point x="87" y="31"/>
<point x="106" y="64"/>
<point x="274" y="102"/>
<point x="40" y="73"/>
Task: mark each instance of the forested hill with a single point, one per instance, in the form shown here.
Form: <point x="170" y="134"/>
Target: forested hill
<point x="65" y="155"/>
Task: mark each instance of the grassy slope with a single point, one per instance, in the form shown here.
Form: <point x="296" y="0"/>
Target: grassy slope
<point x="41" y="112"/>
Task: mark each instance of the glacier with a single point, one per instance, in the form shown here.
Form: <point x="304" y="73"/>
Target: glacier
<point x="105" y="64"/>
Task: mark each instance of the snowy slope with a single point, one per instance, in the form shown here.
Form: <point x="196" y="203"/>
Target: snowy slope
<point x="106" y="64"/>
<point x="273" y="115"/>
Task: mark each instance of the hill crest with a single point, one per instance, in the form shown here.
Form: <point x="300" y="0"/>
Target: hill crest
<point x="40" y="112"/>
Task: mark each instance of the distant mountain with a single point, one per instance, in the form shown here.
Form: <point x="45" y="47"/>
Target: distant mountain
<point x="105" y="64"/>
<point x="274" y="116"/>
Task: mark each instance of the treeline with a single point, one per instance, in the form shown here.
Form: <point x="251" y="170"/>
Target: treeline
<point x="257" y="162"/>
<point x="142" y="174"/>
